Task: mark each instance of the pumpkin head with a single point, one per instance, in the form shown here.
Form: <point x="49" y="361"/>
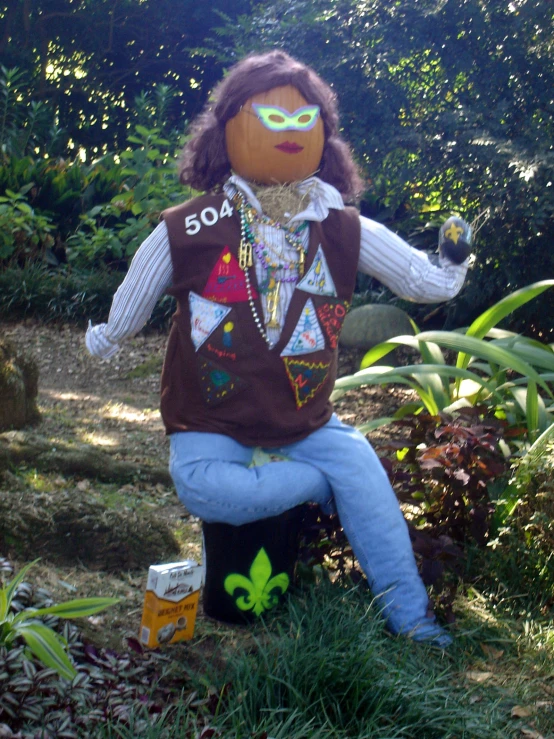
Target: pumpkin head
<point x="276" y="137"/>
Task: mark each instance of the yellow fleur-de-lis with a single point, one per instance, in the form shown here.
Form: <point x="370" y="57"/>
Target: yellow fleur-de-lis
<point x="454" y="232"/>
<point x="262" y="590"/>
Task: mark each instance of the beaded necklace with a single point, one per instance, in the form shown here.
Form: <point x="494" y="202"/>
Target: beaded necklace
<point x="271" y="286"/>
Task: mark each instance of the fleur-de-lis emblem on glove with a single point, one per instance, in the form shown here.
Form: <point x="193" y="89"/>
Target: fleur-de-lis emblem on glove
<point x="262" y="590"/>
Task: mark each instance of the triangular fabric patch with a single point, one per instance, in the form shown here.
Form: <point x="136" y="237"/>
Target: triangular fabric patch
<point x="331" y="316"/>
<point x="226" y="283"/>
<point x="306" y="378"/>
<point x="205" y="317"/>
<point x="217" y="383"/>
<point x="226" y="343"/>
<point x="317" y="279"/>
<point x="307" y="337"/>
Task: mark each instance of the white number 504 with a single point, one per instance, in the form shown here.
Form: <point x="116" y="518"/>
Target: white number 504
<point x="209" y="217"/>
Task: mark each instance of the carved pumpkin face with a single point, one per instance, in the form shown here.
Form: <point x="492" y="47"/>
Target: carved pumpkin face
<point x="276" y="137"/>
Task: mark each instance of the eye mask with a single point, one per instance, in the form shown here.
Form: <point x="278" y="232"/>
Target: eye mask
<point x="278" y="119"/>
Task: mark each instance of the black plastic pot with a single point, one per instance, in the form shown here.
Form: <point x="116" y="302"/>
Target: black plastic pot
<point x="249" y="568"/>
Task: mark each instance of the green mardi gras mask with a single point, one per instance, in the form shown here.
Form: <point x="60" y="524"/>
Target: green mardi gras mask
<point x="278" y="119"/>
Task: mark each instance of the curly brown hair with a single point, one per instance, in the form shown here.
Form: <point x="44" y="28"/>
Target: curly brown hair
<point x="204" y="164"/>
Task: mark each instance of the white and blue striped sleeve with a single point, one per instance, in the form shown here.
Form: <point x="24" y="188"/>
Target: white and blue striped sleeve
<point x="149" y="275"/>
<point x="408" y="272"/>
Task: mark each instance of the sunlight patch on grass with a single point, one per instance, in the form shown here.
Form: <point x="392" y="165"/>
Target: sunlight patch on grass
<point x="99" y="439"/>
<point x="123" y="412"/>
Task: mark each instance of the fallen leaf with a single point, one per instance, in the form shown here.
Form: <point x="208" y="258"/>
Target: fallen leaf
<point x="492" y="652"/>
<point x="531" y="734"/>
<point x="478" y="677"/>
<point x="522" y="712"/>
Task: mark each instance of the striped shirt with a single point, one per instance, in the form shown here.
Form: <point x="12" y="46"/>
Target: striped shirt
<point x="408" y="272"/>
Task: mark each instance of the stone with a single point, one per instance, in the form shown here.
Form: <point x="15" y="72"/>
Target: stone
<point x="18" y="388"/>
<point x="369" y="325"/>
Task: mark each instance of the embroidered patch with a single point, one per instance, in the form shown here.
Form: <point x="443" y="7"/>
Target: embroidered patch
<point x="307" y="337"/>
<point x="226" y="283"/>
<point x="317" y="279"/>
<point x="205" y="317"/>
<point x="226" y="342"/>
<point x="331" y="316"/>
<point x="217" y="384"/>
<point x="306" y="378"/>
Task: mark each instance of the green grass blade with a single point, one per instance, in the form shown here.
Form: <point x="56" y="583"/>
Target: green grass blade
<point x="78" y="608"/>
<point x="374" y="424"/>
<point x="45" y="645"/>
<point x="484" y="350"/>
<point x="538" y="448"/>
<point x="539" y="357"/>
<point x="391" y="375"/>
<point x="376" y="353"/>
<point x="4" y="607"/>
<point x="14" y="584"/>
<point x="483" y="324"/>
<point x="532" y="410"/>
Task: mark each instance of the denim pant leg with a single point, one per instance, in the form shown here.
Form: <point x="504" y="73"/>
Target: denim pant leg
<point x="373" y="522"/>
<point x="214" y="482"/>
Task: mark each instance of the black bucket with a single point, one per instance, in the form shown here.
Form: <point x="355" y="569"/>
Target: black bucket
<point x="249" y="568"/>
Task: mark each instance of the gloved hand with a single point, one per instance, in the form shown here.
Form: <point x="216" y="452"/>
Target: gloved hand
<point x="455" y="240"/>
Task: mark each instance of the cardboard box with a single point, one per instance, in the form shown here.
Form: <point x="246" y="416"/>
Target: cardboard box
<point x="170" y="603"/>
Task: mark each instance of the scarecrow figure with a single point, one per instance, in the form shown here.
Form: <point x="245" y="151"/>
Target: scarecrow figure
<point x="263" y="267"/>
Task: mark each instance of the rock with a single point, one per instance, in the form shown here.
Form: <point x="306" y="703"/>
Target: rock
<point x="368" y="325"/>
<point x="18" y="388"/>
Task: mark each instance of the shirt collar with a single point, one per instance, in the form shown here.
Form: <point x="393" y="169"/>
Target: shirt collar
<point x="323" y="197"/>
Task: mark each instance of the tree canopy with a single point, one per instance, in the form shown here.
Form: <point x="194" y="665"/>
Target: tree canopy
<point x="448" y="104"/>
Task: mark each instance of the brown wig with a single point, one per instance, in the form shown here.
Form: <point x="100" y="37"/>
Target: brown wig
<point x="204" y="163"/>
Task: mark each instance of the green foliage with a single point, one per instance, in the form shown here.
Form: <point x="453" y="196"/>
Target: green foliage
<point x="66" y="295"/>
<point x="520" y="557"/>
<point x="91" y="61"/>
<point x="448" y="108"/>
<point x="43" y="642"/>
<point x="329" y="663"/>
<point x="486" y="369"/>
<point x="36" y="291"/>
<point x="24" y="234"/>
<point x="26" y="125"/>
<point x="112" y="232"/>
<point x="447" y="469"/>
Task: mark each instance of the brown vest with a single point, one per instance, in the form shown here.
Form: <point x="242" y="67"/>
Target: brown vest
<point x="219" y="374"/>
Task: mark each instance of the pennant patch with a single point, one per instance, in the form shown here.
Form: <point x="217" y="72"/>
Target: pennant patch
<point x="226" y="283"/>
<point x="306" y="378"/>
<point x="307" y="337"/>
<point x="317" y="279"/>
<point x="217" y="384"/>
<point x="226" y="343"/>
<point x="331" y="316"/>
<point x="205" y="317"/>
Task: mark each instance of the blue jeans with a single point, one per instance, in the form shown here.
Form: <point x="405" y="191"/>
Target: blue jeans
<point x="335" y="467"/>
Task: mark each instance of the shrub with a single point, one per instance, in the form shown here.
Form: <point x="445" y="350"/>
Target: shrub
<point x="487" y="364"/>
<point x="520" y="555"/>
<point x="43" y="642"/>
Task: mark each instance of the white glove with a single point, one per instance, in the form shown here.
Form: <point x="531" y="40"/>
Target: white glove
<point x="97" y="343"/>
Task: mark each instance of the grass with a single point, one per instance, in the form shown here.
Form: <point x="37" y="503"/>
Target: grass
<point x="326" y="668"/>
